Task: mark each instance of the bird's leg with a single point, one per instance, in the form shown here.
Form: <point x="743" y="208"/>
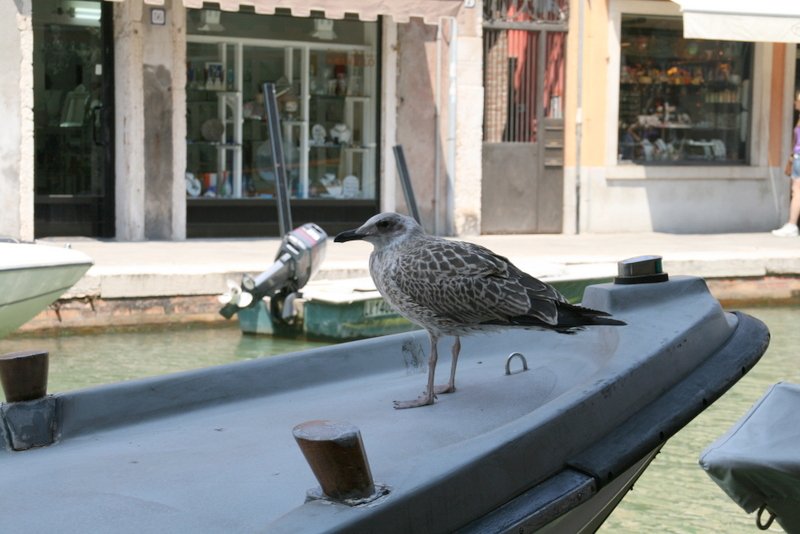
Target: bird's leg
<point x="427" y="396"/>
<point x="451" y="386"/>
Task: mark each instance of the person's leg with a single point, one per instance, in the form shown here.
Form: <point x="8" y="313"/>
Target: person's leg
<point x="794" y="205"/>
<point x="790" y="228"/>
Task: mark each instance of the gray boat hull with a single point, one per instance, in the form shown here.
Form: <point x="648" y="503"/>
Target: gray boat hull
<point x="212" y="450"/>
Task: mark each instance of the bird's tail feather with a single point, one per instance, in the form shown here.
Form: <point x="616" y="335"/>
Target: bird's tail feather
<point x="572" y="315"/>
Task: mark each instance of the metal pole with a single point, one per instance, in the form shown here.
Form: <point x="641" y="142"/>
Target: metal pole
<point x="437" y="133"/>
<point x="278" y="163"/>
<point x="579" y="120"/>
<point x="452" y="109"/>
<point x="405" y="180"/>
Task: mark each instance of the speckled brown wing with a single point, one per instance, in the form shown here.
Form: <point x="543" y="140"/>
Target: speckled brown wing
<point x="469" y="285"/>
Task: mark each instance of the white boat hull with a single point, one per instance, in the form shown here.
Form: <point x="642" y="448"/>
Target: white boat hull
<point x="32" y="277"/>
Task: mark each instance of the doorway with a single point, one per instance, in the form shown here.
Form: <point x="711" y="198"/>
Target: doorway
<point x="73" y="118"/>
<point x="523" y="146"/>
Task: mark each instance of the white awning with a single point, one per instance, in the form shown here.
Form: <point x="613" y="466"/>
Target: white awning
<point x="771" y="21"/>
<point x="400" y="10"/>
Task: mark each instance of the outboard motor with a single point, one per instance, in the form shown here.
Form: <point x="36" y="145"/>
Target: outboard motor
<point x="299" y="258"/>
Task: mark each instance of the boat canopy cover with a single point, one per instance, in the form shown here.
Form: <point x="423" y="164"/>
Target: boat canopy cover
<point x="757" y="463"/>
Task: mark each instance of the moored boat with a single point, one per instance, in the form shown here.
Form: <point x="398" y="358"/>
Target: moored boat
<point x="757" y="462"/>
<point x="554" y="447"/>
<point x="32" y="276"/>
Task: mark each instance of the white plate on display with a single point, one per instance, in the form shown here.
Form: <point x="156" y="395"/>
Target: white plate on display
<point x="350" y="187"/>
<point x="193" y="185"/>
<point x="212" y="130"/>
<point x="318" y="134"/>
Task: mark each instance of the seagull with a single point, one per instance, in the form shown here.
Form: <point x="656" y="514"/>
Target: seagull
<point x="457" y="288"/>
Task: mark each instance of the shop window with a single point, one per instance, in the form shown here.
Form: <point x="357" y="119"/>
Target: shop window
<point x="325" y="77"/>
<point x="682" y="101"/>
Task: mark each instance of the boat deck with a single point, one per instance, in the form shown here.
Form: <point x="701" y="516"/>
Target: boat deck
<point x="213" y="451"/>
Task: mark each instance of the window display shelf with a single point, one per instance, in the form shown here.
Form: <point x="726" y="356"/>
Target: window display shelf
<point x="327" y="117"/>
<point x="681" y="100"/>
<point x="217" y="144"/>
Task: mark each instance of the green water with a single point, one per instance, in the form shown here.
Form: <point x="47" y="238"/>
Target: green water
<point x="81" y="360"/>
<point x="673" y="495"/>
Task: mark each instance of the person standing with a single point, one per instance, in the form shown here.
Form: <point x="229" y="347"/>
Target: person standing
<point x="790" y="228"/>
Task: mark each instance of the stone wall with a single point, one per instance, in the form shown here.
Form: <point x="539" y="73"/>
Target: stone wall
<point x="440" y="119"/>
<point x="150" y="151"/>
<point x="16" y="134"/>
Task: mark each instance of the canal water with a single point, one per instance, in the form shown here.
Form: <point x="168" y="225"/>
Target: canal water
<point x="673" y="496"/>
<point x="81" y="360"/>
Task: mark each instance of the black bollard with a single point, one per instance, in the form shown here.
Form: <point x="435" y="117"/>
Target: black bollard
<point x="24" y="375"/>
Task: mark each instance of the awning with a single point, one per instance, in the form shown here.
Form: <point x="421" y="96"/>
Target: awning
<point x="771" y="21"/>
<point x="400" y="10"/>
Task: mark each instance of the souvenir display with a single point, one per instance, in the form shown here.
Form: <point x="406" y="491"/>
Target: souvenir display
<point x="193" y="185"/>
<point x="681" y="100"/>
<point x="340" y="134"/>
<point x="212" y="130"/>
<point x="318" y="134"/>
<point x="350" y="187"/>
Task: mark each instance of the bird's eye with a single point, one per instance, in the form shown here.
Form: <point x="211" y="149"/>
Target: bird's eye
<point x="383" y="224"/>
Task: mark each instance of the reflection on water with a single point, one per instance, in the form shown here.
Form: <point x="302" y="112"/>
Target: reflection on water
<point x="81" y="360"/>
<point x="674" y="495"/>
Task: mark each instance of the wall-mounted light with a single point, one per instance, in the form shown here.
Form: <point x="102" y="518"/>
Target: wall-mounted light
<point x="85" y="12"/>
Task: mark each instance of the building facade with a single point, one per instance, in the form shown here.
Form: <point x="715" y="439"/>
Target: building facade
<point x="140" y="121"/>
<point x="675" y="134"/>
<point x="136" y="121"/>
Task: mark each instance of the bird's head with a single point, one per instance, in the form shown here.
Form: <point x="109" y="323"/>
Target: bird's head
<point x="382" y="230"/>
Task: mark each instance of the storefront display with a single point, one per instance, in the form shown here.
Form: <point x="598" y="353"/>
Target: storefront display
<point x="325" y="83"/>
<point x="682" y="101"/>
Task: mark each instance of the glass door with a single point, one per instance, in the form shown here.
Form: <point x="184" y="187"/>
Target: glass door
<point x="73" y="119"/>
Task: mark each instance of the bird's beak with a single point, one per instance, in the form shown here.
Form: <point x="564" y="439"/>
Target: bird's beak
<point x="348" y="235"/>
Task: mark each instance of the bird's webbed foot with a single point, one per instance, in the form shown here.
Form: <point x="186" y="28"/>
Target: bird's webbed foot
<point x="443" y="389"/>
<point x="423" y="400"/>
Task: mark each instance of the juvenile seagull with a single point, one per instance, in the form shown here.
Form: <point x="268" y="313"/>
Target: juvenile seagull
<point x="456" y="288"/>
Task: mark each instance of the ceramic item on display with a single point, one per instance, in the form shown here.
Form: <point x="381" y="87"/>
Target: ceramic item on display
<point x="227" y="187"/>
<point x="210" y="182"/>
<point x="193" y="185"/>
<point x="350" y="187"/>
<point x="332" y="85"/>
<point x="354" y="86"/>
<point x="340" y="133"/>
<point x="253" y="110"/>
<point x="212" y="130"/>
<point x="334" y="191"/>
<point x="318" y="134"/>
<point x="341" y="84"/>
<point x="291" y="108"/>
<point x="323" y="29"/>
